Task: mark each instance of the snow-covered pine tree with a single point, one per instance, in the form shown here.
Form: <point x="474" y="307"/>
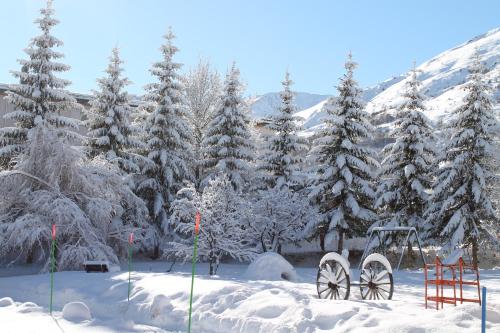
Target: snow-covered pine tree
<point x="405" y="174"/>
<point x="228" y="143"/>
<point x="40" y="96"/>
<point x="346" y="168"/>
<point x="284" y="154"/>
<point x="221" y="231"/>
<point x="108" y="123"/>
<point x="203" y="90"/>
<point x="168" y="138"/>
<point x="461" y="212"/>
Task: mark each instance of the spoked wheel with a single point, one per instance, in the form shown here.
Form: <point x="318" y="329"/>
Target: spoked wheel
<point x="332" y="281"/>
<point x="376" y="281"/>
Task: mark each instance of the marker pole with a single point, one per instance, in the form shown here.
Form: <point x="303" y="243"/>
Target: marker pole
<point x="483" y="312"/>
<point x="130" y="244"/>
<point x="52" y="264"/>
<point x="193" y="268"/>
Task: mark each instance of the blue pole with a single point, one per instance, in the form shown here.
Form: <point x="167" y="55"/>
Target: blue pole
<point x="483" y="312"/>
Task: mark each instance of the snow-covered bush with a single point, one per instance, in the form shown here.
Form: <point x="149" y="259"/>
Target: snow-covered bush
<point x="270" y="266"/>
<point x="52" y="182"/>
<point x="279" y="216"/>
<point x="221" y="231"/>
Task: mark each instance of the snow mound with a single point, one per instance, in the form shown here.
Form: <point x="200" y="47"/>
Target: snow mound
<point x="28" y="307"/>
<point x="161" y="305"/>
<point x="76" y="312"/>
<point x="271" y="266"/>
<point x="6" y="301"/>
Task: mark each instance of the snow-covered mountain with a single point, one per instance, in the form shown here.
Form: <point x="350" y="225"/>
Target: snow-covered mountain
<point x="267" y="105"/>
<point x="443" y="78"/>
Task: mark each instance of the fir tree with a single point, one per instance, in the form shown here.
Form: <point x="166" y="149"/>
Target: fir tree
<point x="343" y="188"/>
<point x="284" y="154"/>
<point x="39" y="98"/>
<point x="228" y="144"/>
<point x="168" y="146"/>
<point x="110" y="132"/>
<point x="406" y="169"/>
<point x="461" y="210"/>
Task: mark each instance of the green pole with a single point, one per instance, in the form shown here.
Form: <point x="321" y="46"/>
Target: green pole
<point x="130" y="242"/>
<point x="52" y="265"/>
<point x="193" y="267"/>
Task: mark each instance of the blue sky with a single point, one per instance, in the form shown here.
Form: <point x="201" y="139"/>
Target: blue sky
<point x="310" y="38"/>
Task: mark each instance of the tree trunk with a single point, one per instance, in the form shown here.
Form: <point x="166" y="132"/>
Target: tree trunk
<point x="211" y="266"/>
<point x="29" y="257"/>
<point x="322" y="235"/>
<point x="475" y="249"/>
<point x="340" y="246"/>
<point x="156" y="252"/>
<point x="411" y="254"/>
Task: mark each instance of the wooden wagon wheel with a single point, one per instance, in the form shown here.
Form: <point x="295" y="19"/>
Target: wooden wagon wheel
<point x="332" y="281"/>
<point x="376" y="281"/>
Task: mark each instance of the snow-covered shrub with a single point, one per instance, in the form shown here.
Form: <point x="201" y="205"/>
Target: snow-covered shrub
<point x="279" y="216"/>
<point x="89" y="202"/>
<point x="271" y="266"/>
<point x="221" y="233"/>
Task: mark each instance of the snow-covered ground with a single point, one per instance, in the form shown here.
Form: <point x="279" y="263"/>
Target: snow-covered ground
<point x="227" y="303"/>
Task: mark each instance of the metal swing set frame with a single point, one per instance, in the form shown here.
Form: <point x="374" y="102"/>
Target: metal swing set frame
<point x="381" y="233"/>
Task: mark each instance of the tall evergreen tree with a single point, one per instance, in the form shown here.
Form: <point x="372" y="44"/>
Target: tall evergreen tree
<point x="461" y="210"/>
<point x="39" y="98"/>
<point x="110" y="132"/>
<point x="343" y="187"/>
<point x="406" y="169"/>
<point x="284" y="154"/>
<point x="228" y="144"/>
<point x="168" y="146"/>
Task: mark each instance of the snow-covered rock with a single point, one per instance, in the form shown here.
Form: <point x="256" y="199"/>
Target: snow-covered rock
<point x="76" y="312"/>
<point x="271" y="266"/>
<point x="6" y="301"/>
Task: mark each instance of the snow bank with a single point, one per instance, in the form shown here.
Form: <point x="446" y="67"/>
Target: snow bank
<point x="161" y="306"/>
<point x="76" y="312"/>
<point x="271" y="266"/>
